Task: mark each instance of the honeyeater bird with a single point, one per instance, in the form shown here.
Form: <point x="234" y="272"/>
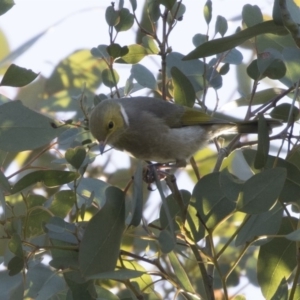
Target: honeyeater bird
<point x="155" y="130"/>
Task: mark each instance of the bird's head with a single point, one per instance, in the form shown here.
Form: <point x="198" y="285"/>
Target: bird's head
<point x="107" y="122"/>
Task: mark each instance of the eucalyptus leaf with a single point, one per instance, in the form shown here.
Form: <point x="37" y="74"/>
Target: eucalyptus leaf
<point x="6" y="5"/>
<point x="276" y="260"/>
<point x="16" y="76"/>
<point x="261" y="191"/>
<point x="101" y="254"/>
<point x="184" y="93"/>
<point x="126" y="20"/>
<point x="50" y="178"/>
<point x="143" y="76"/>
<point x="135" y="54"/>
<point x="24" y="129"/>
<point x="223" y="44"/>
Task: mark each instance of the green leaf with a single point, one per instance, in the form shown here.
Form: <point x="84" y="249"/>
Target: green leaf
<point x="253" y="71"/>
<point x="230" y="185"/>
<point x="144" y="282"/>
<point x="193" y="70"/>
<point x="15" y="245"/>
<point x="291" y="189"/>
<point x="224" y="69"/>
<point x="16" y="76"/>
<point x="168" y="3"/>
<point x="116" y="51"/>
<point x="137" y="197"/>
<point x="183" y="92"/>
<point x="123" y="274"/>
<point x="80" y="287"/>
<point x="177" y="12"/>
<point x="75" y="70"/>
<point x="290" y="56"/>
<point x="135" y="54"/>
<point x="180" y="273"/>
<point x="62" y="203"/>
<point x="143" y="76"/>
<point x="282" y="291"/>
<point x="267" y="223"/>
<point x="24" y="129"/>
<point x="36" y="220"/>
<point x="6" y="5"/>
<point x="263" y="143"/>
<point x="97" y="255"/>
<point x="294" y="236"/>
<point x="150" y="44"/>
<point x="199" y="39"/>
<point x="233" y="57"/>
<point x="166" y="241"/>
<point x="252" y="15"/>
<point x="174" y="209"/>
<point x="282" y="112"/>
<point x="15" y="265"/>
<point x="133" y="4"/>
<point x="261" y="191"/>
<point x="126" y="20"/>
<point x="276" y="260"/>
<point x="221" y="26"/>
<point x="110" y="78"/>
<point x="207" y="11"/>
<point x="224" y="44"/>
<point x="75" y="156"/>
<point x="50" y="178"/>
<point x="112" y="16"/>
<point x="210" y="201"/>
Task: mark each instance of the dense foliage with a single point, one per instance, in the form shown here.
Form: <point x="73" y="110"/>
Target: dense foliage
<point x="238" y="223"/>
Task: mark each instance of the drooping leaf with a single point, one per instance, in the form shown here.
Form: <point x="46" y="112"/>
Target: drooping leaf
<point x="112" y="16"/>
<point x="97" y="255"/>
<point x="223" y="44"/>
<point x="181" y="273"/>
<point x="137" y="197"/>
<point x="183" y="92"/>
<point x="207" y="11"/>
<point x="221" y="26"/>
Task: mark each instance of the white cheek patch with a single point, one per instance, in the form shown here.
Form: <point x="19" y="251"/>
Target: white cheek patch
<point x="124" y="115"/>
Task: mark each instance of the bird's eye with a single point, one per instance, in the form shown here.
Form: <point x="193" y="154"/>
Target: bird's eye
<point x="110" y="125"/>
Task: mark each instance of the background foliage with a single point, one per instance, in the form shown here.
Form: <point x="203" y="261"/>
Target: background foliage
<point x="66" y="234"/>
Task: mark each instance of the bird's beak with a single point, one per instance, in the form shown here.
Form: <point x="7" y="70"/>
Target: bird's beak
<point x="102" y="146"/>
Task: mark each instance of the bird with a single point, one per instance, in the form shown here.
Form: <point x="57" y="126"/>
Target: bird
<point x="155" y="130"/>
